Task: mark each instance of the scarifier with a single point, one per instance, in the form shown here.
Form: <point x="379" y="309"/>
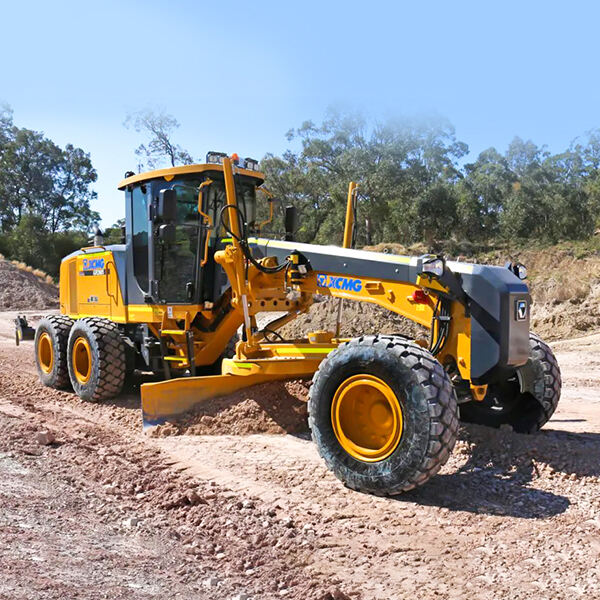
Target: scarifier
<point x="196" y="266"/>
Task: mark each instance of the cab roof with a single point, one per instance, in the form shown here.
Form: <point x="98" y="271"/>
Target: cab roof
<point x="172" y="172"/>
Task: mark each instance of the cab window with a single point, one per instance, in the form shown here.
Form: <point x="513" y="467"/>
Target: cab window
<point x="139" y="218"/>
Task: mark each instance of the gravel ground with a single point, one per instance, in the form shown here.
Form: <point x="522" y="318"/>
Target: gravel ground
<point x="107" y="512"/>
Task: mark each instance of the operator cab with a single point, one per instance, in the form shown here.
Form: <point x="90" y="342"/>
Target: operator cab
<point x="167" y="247"/>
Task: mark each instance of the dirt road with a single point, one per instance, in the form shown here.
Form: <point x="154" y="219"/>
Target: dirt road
<point x="107" y="512"/>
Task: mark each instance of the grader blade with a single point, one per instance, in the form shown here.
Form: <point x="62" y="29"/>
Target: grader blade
<point x="167" y="399"/>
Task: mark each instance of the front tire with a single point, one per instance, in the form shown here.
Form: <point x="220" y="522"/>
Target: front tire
<point x="383" y="414"/>
<point x="96" y="358"/>
<point x="525" y="411"/>
<point x="50" y="343"/>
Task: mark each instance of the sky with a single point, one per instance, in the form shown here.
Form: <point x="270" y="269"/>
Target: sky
<point x="239" y="75"/>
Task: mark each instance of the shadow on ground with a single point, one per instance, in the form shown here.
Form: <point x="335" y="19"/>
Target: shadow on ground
<point x="504" y="472"/>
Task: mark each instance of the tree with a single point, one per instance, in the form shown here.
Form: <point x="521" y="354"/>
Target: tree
<point x="436" y="213"/>
<point x="487" y="183"/>
<point x="395" y="162"/>
<point x="159" y="127"/>
<point x="590" y="154"/>
<point x="40" y="178"/>
<point x="30" y="242"/>
<point x="45" y="195"/>
<point x="114" y="233"/>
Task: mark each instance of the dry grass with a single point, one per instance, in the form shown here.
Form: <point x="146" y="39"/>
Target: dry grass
<point x="41" y="275"/>
<point x="557" y="278"/>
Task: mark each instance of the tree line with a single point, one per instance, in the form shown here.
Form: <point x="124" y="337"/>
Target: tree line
<point x="416" y="184"/>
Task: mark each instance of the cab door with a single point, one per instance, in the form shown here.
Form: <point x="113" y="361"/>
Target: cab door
<point x="176" y="264"/>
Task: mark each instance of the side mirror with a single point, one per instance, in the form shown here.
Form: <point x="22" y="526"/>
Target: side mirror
<point x="167" y="206"/>
<point x="290" y="222"/>
<point x="167" y="233"/>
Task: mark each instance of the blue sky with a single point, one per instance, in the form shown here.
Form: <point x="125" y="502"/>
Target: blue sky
<point x="239" y="75"/>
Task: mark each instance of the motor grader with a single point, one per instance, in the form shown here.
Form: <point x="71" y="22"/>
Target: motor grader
<point x="196" y="266"/>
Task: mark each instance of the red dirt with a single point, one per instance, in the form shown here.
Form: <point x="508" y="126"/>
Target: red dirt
<point x="277" y="407"/>
<point x="22" y="290"/>
<point x="106" y="512"/>
<point x="357" y="319"/>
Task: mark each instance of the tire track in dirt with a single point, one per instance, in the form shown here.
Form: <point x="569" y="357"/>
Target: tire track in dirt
<point x="509" y="516"/>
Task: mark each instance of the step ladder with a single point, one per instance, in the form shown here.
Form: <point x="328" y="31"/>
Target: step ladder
<point x="184" y="362"/>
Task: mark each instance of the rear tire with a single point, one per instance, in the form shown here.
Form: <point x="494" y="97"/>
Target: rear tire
<point x="50" y="343"/>
<point x="525" y="412"/>
<point x="96" y="358"/>
<point x="353" y="411"/>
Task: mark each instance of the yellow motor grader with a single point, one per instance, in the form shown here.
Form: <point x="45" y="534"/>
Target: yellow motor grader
<point x="194" y="268"/>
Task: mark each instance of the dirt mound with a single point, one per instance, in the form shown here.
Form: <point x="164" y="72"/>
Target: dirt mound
<point x="266" y="408"/>
<point x="23" y="290"/>
<point x="564" y="281"/>
<point x="358" y="318"/>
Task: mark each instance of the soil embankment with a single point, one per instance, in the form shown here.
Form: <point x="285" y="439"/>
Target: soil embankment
<point x="22" y="289"/>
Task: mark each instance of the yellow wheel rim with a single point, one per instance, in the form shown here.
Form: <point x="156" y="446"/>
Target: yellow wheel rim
<point x="45" y="353"/>
<point x="367" y="418"/>
<point x="82" y="360"/>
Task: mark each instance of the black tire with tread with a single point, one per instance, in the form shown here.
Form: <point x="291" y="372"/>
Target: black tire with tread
<point x="428" y="404"/>
<point x="504" y="403"/>
<point x="108" y="359"/>
<point x="58" y="328"/>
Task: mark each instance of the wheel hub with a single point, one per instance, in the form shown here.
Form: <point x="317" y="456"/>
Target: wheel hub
<point x="366" y="418"/>
<point x="45" y="353"/>
<point x="82" y="360"/>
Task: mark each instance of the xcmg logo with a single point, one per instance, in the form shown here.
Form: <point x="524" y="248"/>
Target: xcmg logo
<point x="90" y="264"/>
<point x="339" y="283"/>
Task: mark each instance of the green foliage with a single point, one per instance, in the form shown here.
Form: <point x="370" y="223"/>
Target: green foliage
<point x="45" y="195"/>
<point x="413" y="188"/>
<point x="62" y="244"/>
<point x="114" y="234"/>
<point x="395" y="162"/>
<point x="30" y="241"/>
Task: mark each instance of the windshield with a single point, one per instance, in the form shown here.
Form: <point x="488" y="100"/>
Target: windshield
<point x="177" y="262"/>
<point x="214" y="201"/>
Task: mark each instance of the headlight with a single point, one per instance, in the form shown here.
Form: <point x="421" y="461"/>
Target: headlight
<point x="433" y="266"/>
<point x="215" y="158"/>
<point x="251" y="164"/>
<point x="519" y="269"/>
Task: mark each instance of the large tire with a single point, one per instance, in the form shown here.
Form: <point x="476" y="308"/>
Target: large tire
<point x="528" y="411"/>
<point x="96" y="358"/>
<point x="400" y="372"/>
<point x="50" y="343"/>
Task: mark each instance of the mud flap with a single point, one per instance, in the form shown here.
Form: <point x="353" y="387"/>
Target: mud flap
<point x="22" y="330"/>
